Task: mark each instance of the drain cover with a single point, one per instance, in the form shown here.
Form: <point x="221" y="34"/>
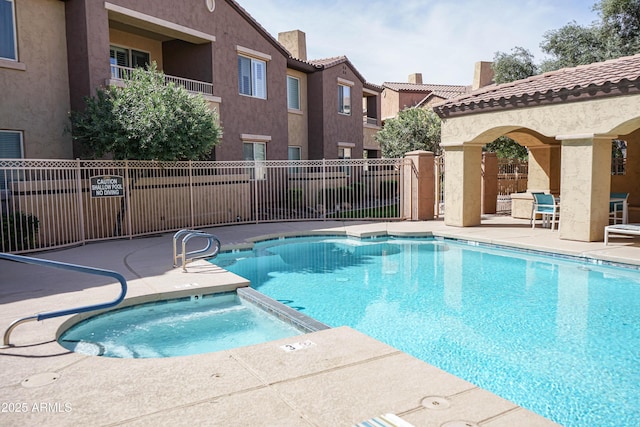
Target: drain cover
<point x="460" y="423"/>
<point x="435" y="402"/>
<point x="39" y="380"/>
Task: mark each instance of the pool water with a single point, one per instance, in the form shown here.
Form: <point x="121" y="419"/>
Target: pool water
<point x="554" y="335"/>
<point x="192" y="325"/>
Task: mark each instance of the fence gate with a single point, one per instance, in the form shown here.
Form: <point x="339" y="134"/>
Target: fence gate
<point x="512" y="178"/>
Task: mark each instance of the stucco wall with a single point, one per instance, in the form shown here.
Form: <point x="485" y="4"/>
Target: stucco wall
<point x="369" y="137"/>
<point x="599" y="116"/>
<point x="390" y="101"/>
<point x="410" y="99"/>
<point x="327" y="127"/>
<point x="35" y="96"/>
<point x="584" y="129"/>
<point x="88" y="30"/>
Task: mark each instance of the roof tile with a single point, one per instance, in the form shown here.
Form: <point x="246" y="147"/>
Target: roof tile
<point x="580" y="82"/>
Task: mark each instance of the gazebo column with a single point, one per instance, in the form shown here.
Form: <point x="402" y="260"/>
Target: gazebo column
<point x="585" y="186"/>
<point x="544" y="168"/>
<point x="462" y="185"/>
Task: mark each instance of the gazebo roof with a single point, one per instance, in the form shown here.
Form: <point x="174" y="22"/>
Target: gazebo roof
<point x="610" y="78"/>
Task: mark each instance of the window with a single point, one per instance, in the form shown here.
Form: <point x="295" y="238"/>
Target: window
<point x="10" y="148"/>
<point x="294" y="154"/>
<point x="618" y="157"/>
<point x="8" y="42"/>
<point x="257" y="152"/>
<point x="252" y="77"/>
<point x="129" y="58"/>
<point x="293" y="93"/>
<point x="344" y="99"/>
<point x="345" y="154"/>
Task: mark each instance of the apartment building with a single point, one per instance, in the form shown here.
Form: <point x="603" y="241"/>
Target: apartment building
<point x="273" y="104"/>
<point x="396" y="96"/>
<point x="34" y="80"/>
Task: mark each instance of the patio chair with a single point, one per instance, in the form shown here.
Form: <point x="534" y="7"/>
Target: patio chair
<point x="545" y="205"/>
<point x="617" y="207"/>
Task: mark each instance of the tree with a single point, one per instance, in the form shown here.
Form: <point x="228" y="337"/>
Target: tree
<point x="507" y="148"/>
<point x="620" y="27"/>
<point x="616" y="34"/>
<point x="519" y="64"/>
<point x="572" y="45"/>
<point x="146" y="119"/>
<point x="413" y="129"/>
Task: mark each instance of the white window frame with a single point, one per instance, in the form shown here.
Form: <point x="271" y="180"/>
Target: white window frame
<point x="21" y="142"/>
<point x="15" y="33"/>
<point x="294" y="147"/>
<point x="259" y="171"/>
<point x="345" y="151"/>
<point x="17" y="174"/>
<point x="297" y="148"/>
<point x="129" y="52"/>
<point x="257" y="76"/>
<point x="293" y="104"/>
<point x="619" y="164"/>
<point x="344" y="101"/>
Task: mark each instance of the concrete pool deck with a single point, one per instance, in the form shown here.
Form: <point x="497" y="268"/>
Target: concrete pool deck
<point x="345" y="378"/>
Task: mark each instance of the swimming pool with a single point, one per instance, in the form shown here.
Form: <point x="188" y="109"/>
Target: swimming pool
<point x="554" y="335"/>
<point x="178" y="327"/>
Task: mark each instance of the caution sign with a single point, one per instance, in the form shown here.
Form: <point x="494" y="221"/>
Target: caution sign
<point x="107" y="186"/>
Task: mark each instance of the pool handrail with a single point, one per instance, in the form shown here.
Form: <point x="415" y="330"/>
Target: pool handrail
<point x="193" y="255"/>
<point x="59" y="313"/>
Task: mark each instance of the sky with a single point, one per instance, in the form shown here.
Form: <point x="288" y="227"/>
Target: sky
<point x="387" y="41"/>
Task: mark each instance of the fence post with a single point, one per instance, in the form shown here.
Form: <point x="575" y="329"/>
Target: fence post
<point x="127" y="201"/>
<point x="324" y="188"/>
<point x="419" y="197"/>
<point x="191" y="207"/>
<point x="489" y="196"/>
<point x="438" y="178"/>
<point x="80" y="201"/>
<point x="255" y="193"/>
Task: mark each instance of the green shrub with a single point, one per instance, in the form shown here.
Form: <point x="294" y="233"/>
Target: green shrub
<point x="19" y="231"/>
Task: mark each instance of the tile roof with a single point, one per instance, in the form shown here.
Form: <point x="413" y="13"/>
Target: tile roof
<point x="329" y="62"/>
<point x="296" y="63"/>
<point x="610" y="78"/>
<point x="337" y="60"/>
<point x="252" y="21"/>
<point x="444" y="91"/>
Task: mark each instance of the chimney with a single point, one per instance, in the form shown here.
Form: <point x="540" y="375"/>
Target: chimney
<point x="415" y="78"/>
<point x="295" y="42"/>
<point x="483" y="75"/>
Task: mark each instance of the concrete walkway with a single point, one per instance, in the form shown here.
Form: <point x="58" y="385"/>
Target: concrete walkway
<point x="345" y="378"/>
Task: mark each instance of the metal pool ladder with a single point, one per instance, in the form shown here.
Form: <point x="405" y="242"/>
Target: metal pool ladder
<point x="210" y="251"/>
<point x="63" y="266"/>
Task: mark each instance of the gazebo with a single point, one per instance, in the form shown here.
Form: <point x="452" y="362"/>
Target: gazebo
<point x="569" y="121"/>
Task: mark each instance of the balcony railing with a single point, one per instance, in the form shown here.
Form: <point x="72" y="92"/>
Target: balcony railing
<point x="370" y="120"/>
<point x="194" y="86"/>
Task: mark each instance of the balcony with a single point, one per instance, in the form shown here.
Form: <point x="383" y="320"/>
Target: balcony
<point x="120" y="74"/>
<point x="370" y="120"/>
